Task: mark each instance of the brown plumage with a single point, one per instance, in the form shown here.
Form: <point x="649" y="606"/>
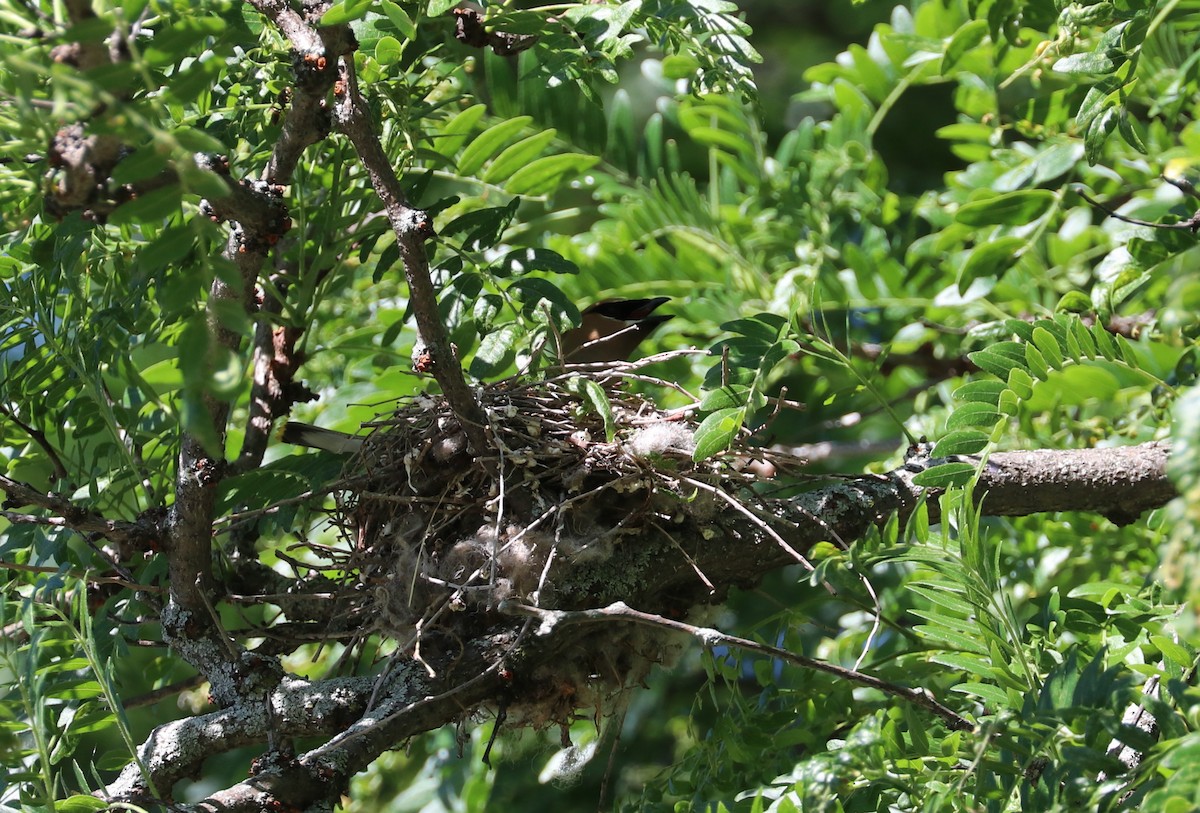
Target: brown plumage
<point x="611" y="330"/>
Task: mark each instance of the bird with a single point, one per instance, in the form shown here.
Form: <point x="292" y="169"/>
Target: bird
<point x="612" y="330"/>
<point x="315" y="437"/>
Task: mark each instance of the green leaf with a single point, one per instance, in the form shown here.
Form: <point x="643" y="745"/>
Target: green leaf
<point x="171" y="245"/>
<point x="1083" y="63"/>
<point x="999" y="358"/>
<point x="1048" y="346"/>
<point x="527" y="260"/>
<point x="990" y="259"/>
<point x="1098" y="132"/>
<point x="596" y="399"/>
<point x="1074" y="302"/>
<point x="152" y="207"/>
<point x="1100" y="96"/>
<point x="965" y="39"/>
<point x="488" y="143"/>
<point x="991" y="694"/>
<point x="535" y="293"/>
<point x="961" y="441"/>
<point x="496" y="352"/>
<point x="764" y="327"/>
<point x="388" y="50"/>
<point x="455" y="133"/>
<point x="175" y="41"/>
<point x="1105" y="345"/>
<point x="946" y="475"/>
<point x="1129" y="129"/>
<point x="1172" y="651"/>
<point x="984" y="390"/>
<point x="546" y="174"/>
<point x="1020" y="382"/>
<point x="198" y="181"/>
<point x="1078" y="331"/>
<point x="439" y="7"/>
<point x="517" y="155"/>
<point x="1055" y="161"/>
<point x="729" y="397"/>
<point x="1018" y="208"/>
<point x="344" y="12"/>
<point x="483" y="227"/>
<point x="196" y="140"/>
<point x="717" y="431"/>
<point x="399" y="18"/>
<point x="143" y="163"/>
<point x="80" y="804"/>
<point x="680" y="66"/>
<point x="975" y="414"/>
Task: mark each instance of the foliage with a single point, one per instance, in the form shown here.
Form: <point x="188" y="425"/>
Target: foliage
<point x="962" y="290"/>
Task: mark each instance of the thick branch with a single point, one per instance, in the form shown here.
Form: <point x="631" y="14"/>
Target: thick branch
<point x="412" y="228"/>
<point x="1119" y="483"/>
<point x="176" y="750"/>
<point x="260" y="218"/>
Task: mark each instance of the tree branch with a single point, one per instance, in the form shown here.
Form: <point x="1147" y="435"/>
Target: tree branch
<point x="260" y="218"/>
<point x="141" y="533"/>
<point x="412" y="228"/>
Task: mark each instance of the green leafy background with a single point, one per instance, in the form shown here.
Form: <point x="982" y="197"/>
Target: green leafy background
<point x="874" y="211"/>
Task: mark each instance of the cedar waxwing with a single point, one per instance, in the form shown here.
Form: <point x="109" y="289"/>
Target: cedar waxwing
<point x="612" y="330"/>
<point x="314" y="437"/>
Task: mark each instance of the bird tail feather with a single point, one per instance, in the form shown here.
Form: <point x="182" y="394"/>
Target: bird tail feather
<point x="303" y="434"/>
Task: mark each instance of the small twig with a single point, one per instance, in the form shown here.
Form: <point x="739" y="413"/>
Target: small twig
<point x="1192" y="224"/>
<point x="710" y="637"/>
<point x="275" y="507"/>
<point x="878" y="610"/>
<point x="501" y="448"/>
<point x="692" y="562"/>
<point x="609" y="769"/>
<point x="150" y="698"/>
<point x="741" y="509"/>
<point x="779" y="400"/>
<point x="501" y="716"/>
<point x="68" y="515"/>
<point x="221" y="634"/>
<point x="118" y="580"/>
<point x="39" y="437"/>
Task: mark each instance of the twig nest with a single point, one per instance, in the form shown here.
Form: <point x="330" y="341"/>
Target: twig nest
<point x="439" y="538"/>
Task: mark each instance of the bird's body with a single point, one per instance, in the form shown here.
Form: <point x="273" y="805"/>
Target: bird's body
<point x="611" y="330"/>
<point x="314" y="437"/>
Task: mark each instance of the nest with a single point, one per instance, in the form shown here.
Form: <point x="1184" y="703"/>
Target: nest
<point x="438" y="539"/>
